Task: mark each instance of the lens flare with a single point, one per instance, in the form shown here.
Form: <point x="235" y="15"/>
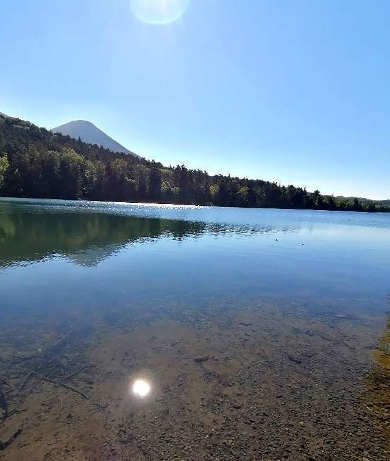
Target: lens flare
<point x="158" y="12"/>
<point x="141" y="388"/>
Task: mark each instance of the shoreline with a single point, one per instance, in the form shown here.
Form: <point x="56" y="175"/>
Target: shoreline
<point x="180" y="205"/>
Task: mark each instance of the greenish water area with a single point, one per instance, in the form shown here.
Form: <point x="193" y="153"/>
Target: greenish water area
<point x="279" y="307"/>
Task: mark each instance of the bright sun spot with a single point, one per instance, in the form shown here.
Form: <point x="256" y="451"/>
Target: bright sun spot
<point x="158" y="12"/>
<point x="141" y="388"/>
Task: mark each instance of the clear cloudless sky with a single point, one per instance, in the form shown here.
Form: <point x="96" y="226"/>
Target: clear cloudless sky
<point x="294" y="91"/>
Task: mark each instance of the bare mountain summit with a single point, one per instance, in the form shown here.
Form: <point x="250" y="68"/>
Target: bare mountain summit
<point x="90" y="133"/>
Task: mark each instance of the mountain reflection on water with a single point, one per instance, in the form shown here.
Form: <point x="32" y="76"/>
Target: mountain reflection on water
<point x="84" y="238"/>
<point x="91" y="253"/>
<point x="87" y="236"/>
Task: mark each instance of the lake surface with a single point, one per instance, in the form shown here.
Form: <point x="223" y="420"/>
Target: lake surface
<point x="255" y="329"/>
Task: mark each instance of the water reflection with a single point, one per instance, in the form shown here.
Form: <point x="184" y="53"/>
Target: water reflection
<point x="141" y="388"/>
<point x="85" y="238"/>
<point x="198" y="256"/>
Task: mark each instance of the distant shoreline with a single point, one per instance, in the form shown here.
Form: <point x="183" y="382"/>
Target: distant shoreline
<point x="178" y="205"/>
<point x="36" y="163"/>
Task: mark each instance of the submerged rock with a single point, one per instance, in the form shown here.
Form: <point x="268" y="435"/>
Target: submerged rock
<point x="295" y="359"/>
<point x="201" y="359"/>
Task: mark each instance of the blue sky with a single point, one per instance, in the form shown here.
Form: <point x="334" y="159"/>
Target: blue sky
<point x="295" y="91"/>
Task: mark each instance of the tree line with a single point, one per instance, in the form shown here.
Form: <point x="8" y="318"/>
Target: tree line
<point x="34" y="162"/>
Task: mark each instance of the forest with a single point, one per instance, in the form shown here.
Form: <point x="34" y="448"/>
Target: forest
<point x="34" y="162"/>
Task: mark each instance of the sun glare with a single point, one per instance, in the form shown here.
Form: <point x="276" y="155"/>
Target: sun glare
<point x="141" y="388"/>
<point x="158" y="12"/>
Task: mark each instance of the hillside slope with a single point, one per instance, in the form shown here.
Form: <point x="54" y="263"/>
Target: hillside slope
<point x="90" y="133"/>
<point x="35" y="162"/>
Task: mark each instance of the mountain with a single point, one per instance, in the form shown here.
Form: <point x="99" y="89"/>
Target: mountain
<point x="35" y="162"/>
<point x="91" y="134"/>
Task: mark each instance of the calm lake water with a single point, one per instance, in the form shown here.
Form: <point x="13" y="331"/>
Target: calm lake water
<point x="68" y="264"/>
<point x="54" y="253"/>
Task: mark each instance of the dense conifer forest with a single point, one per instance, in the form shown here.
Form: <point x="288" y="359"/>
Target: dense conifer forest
<point x="34" y="162"/>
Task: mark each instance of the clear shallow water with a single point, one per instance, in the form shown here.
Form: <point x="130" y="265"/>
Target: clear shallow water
<point x="54" y="253"/>
<point x="255" y="327"/>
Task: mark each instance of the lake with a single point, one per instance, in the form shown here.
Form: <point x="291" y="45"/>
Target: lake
<point x="255" y="333"/>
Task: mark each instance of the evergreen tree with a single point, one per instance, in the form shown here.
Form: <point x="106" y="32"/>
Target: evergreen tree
<point x="154" y="182"/>
<point x="39" y="163"/>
